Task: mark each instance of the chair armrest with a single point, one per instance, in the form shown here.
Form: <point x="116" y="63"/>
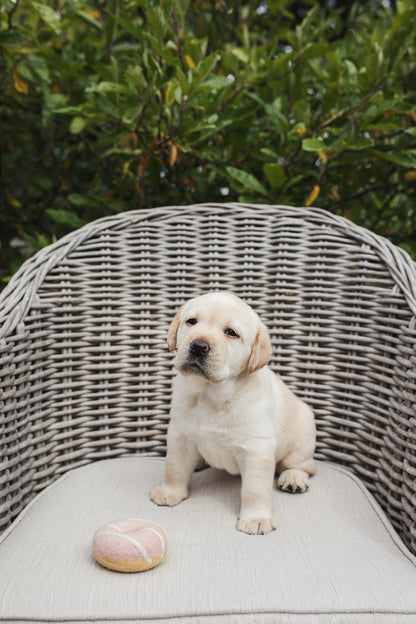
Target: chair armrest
<point x="397" y="472"/>
<point x="25" y="408"/>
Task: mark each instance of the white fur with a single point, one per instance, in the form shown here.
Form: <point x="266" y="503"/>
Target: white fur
<point x="234" y="413"/>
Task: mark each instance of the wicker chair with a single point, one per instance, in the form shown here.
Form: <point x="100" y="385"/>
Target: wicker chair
<point x="84" y="397"/>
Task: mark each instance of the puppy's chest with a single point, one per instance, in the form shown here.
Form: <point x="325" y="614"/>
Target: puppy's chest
<point x="217" y="451"/>
<point x="215" y="437"/>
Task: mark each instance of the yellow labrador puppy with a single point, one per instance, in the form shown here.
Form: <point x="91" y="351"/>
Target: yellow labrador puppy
<point x="231" y="411"/>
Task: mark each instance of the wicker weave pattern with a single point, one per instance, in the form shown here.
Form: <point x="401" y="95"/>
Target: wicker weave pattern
<point x="85" y="373"/>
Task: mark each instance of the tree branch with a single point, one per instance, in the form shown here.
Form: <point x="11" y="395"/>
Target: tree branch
<point x="344" y="113"/>
<point x="11" y="13"/>
<point x="365" y="191"/>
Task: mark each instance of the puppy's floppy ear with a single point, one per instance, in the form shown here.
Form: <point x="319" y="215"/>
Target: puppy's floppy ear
<point x="262" y="350"/>
<point x="173" y="331"/>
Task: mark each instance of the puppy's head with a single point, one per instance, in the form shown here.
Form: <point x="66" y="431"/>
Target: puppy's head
<point x="218" y="336"/>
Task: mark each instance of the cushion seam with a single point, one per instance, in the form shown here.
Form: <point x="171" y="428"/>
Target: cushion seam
<point x="217" y="614"/>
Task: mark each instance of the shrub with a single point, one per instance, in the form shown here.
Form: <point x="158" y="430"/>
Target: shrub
<point x="129" y="104"/>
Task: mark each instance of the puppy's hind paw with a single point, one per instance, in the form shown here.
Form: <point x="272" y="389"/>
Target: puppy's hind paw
<point x="293" y="480"/>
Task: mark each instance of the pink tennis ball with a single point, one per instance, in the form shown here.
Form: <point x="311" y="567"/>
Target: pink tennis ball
<point x="130" y="545"/>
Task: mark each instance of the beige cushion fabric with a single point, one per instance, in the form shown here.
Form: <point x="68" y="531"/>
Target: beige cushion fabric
<point x="333" y="560"/>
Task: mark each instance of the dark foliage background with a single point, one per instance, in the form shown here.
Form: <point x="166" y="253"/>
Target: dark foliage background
<point x="110" y="106"/>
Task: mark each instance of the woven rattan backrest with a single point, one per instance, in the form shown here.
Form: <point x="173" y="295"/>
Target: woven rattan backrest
<point x="85" y="361"/>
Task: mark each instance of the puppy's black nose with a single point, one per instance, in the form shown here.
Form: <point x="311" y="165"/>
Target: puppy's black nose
<point x="199" y="347"/>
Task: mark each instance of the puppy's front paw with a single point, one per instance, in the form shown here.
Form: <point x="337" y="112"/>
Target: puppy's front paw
<point x="256" y="526"/>
<point x="293" y="480"/>
<point x="167" y="496"/>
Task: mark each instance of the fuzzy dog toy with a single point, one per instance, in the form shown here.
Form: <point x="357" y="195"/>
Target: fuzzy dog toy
<point x="130" y="545"/>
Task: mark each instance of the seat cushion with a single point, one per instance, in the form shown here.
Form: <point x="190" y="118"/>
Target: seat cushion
<point x="333" y="559"/>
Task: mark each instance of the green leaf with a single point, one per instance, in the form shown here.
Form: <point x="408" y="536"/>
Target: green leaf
<point x="357" y="143"/>
<point x="38" y="241"/>
<point x="314" y="50"/>
<point x="40" y="67"/>
<point x="131" y="114"/>
<point x="269" y="153"/>
<point x="68" y="110"/>
<point x="66" y="218"/>
<point x="205" y="68"/>
<point x="304" y="28"/>
<point x="353" y="143"/>
<point x="158" y="21"/>
<point x="276" y="116"/>
<point x="275" y="175"/>
<point x="130" y="27"/>
<point x="313" y="145"/>
<point x="196" y="49"/>
<point x="183" y="81"/>
<point x="382" y="106"/>
<point x="46" y="184"/>
<point x="77" y="125"/>
<point x="110" y="87"/>
<point x="134" y="74"/>
<point x="79" y="200"/>
<point x="90" y="20"/>
<point x="402" y="158"/>
<point x="241" y="54"/>
<point x="217" y="82"/>
<point x="105" y="105"/>
<point x="13" y="37"/>
<point x="48" y="15"/>
<point x="247" y="180"/>
<point x="386" y="126"/>
<point x="350" y="73"/>
<point x="51" y="102"/>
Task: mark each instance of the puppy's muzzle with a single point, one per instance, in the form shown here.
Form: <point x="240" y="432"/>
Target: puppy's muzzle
<point x="197" y="358"/>
<point x="199" y="348"/>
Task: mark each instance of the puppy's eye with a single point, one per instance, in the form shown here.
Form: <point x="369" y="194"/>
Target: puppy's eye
<point x="230" y="332"/>
<point x="191" y="321"/>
